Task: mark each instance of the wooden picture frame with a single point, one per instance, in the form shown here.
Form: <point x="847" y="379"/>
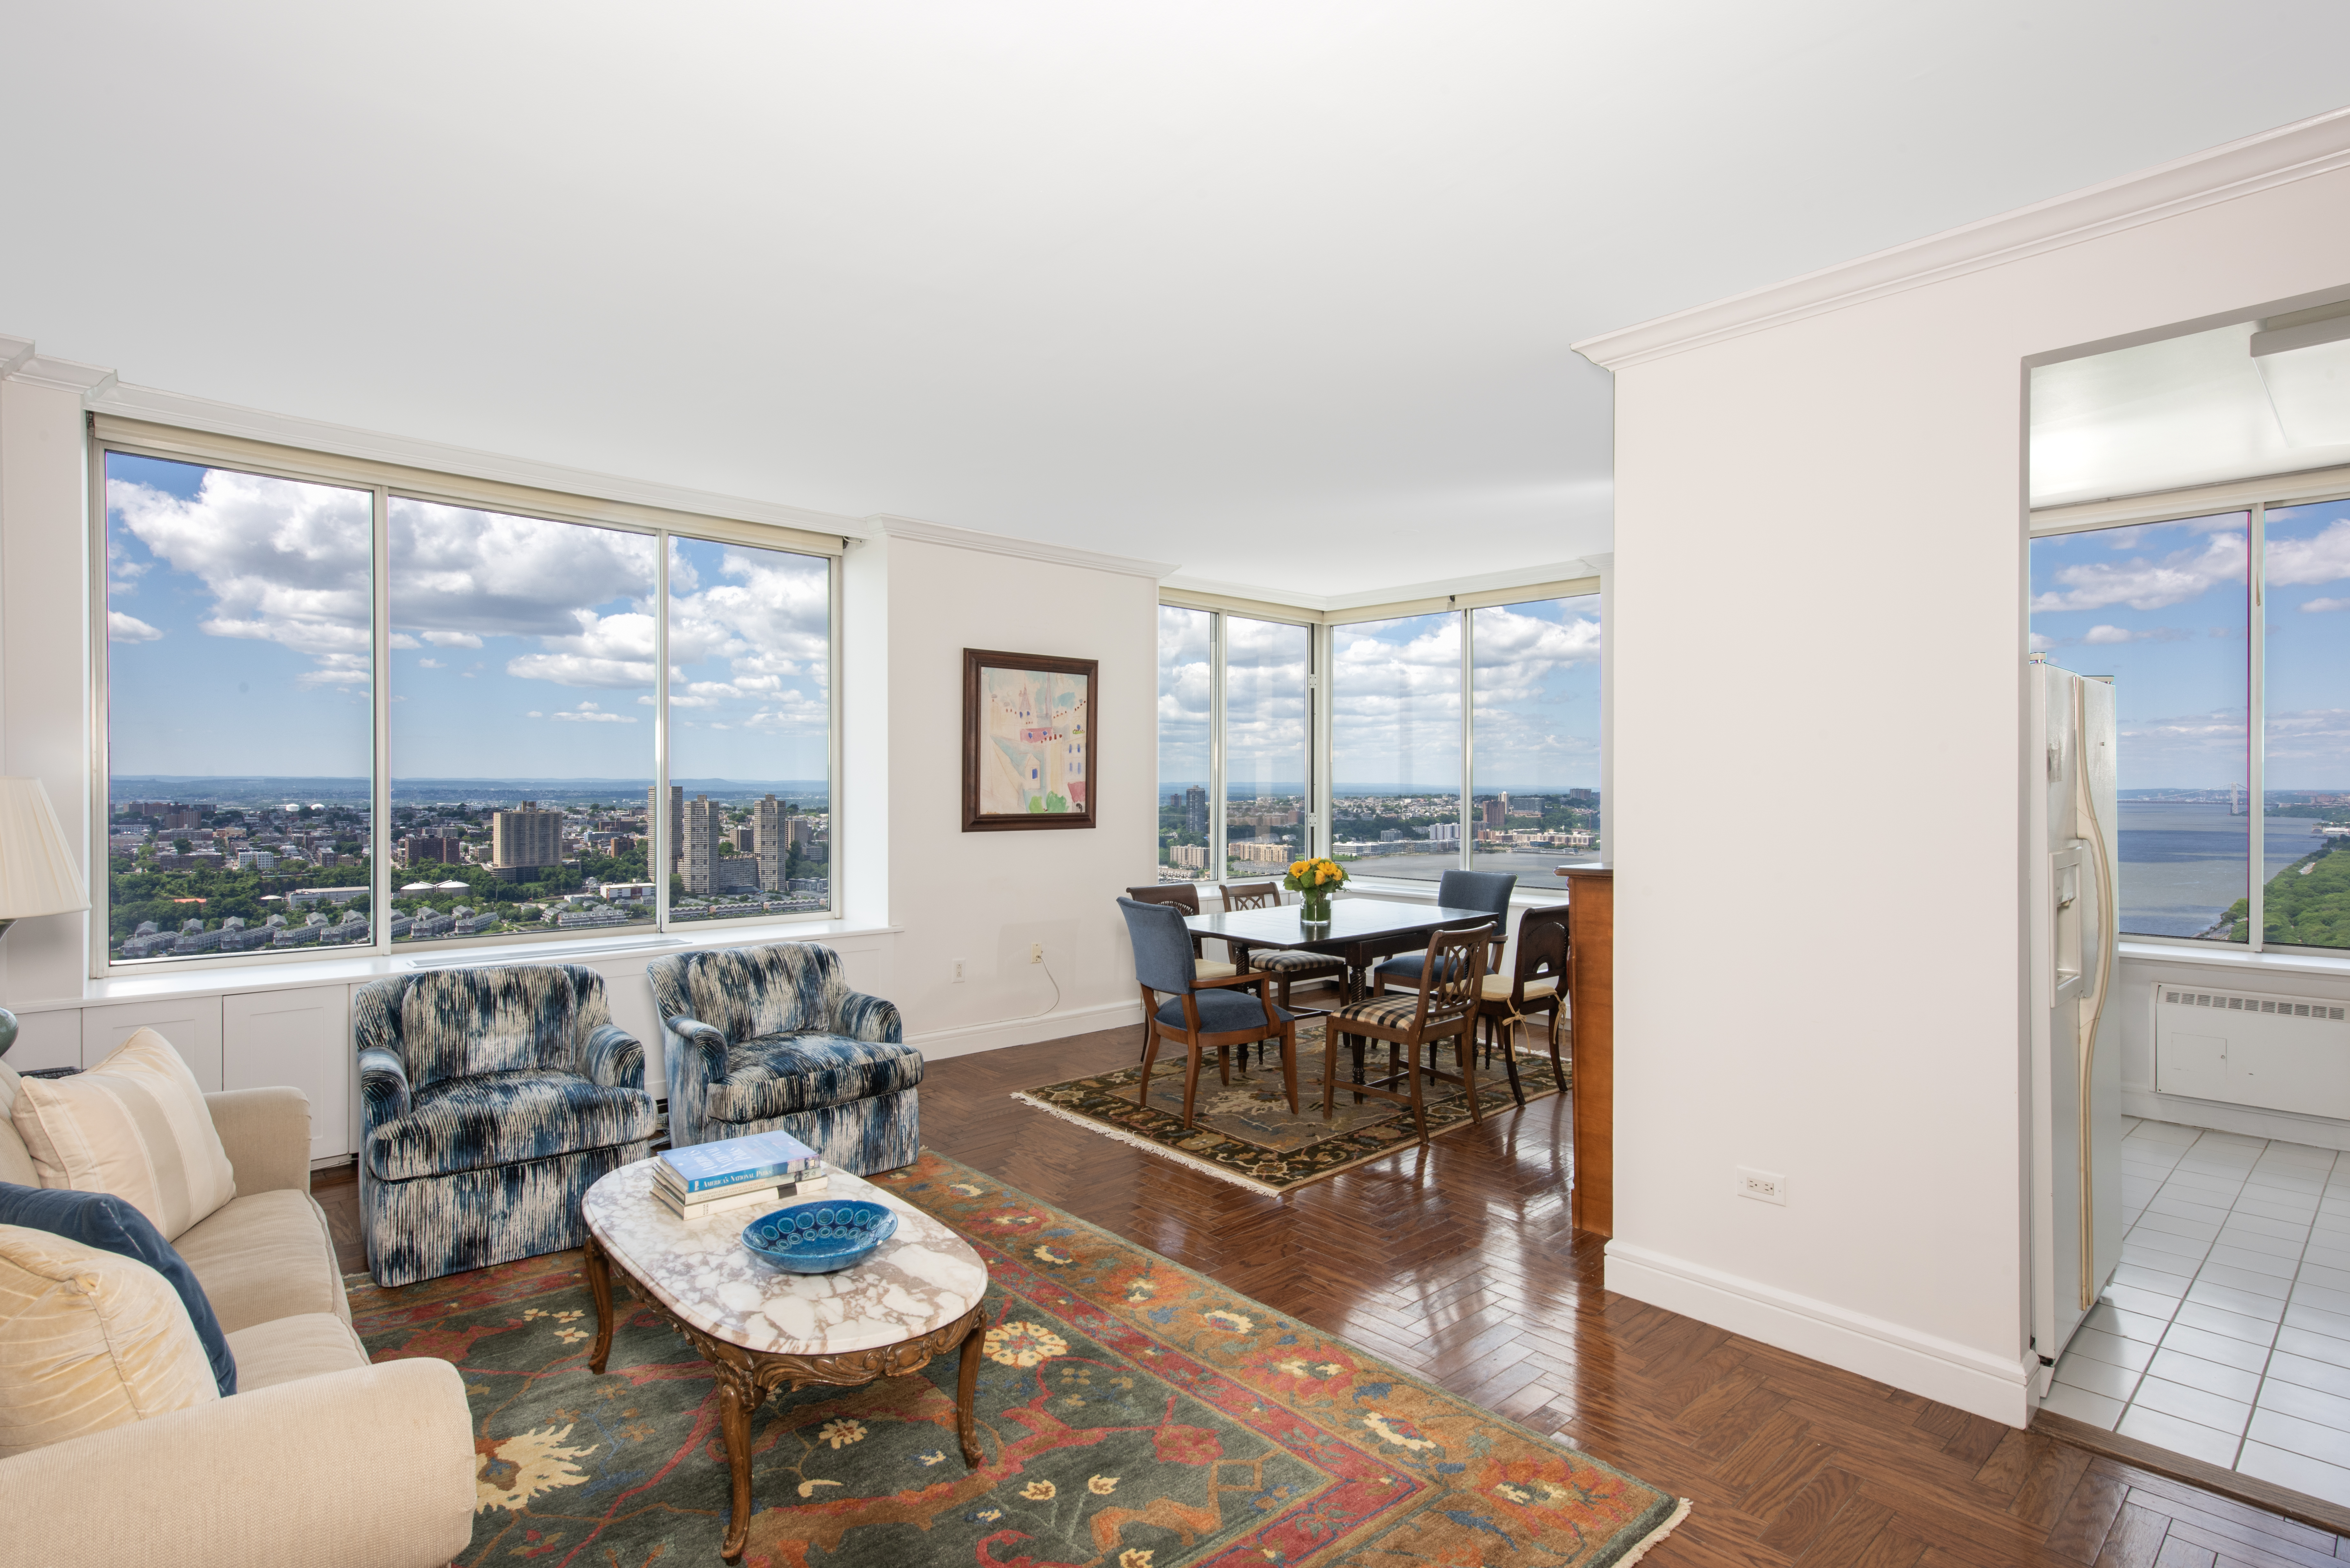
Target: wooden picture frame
<point x="1030" y="726"/>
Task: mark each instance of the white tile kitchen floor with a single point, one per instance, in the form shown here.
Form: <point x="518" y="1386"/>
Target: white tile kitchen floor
<point x="2226" y="1332"/>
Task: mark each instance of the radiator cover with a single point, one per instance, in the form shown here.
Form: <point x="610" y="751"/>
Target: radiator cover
<point x="2273" y="1052"/>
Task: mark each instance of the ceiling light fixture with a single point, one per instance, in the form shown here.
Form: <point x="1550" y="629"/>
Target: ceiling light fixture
<point x="2303" y="357"/>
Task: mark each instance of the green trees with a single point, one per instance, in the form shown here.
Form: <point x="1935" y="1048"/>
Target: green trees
<point x="2307" y="904"/>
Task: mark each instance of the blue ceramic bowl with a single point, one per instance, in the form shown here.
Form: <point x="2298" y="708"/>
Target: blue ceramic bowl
<point x="820" y="1236"/>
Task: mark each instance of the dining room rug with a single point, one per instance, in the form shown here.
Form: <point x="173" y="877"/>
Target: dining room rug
<point x="1245" y="1132"/>
<point x="1132" y="1414"/>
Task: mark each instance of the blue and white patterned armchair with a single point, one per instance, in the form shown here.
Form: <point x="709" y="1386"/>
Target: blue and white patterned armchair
<point x="491" y="1100"/>
<point x="773" y="1037"/>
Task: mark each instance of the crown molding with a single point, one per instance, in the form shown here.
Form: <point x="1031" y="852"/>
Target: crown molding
<point x="925" y="533"/>
<point x="1326" y="603"/>
<point x="2318" y="145"/>
<point x="21" y="361"/>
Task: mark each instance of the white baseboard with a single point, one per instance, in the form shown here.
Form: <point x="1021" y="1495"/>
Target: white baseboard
<point x="940" y="1043"/>
<point x="1954" y="1373"/>
<point x="2318" y="1132"/>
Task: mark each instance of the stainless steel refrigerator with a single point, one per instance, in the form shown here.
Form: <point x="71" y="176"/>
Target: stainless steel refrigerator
<point x="2075" y="1077"/>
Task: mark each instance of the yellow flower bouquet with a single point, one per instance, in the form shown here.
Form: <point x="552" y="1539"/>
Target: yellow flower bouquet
<point x="1314" y="881"/>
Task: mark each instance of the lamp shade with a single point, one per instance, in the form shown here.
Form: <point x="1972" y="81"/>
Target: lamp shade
<point x="37" y="874"/>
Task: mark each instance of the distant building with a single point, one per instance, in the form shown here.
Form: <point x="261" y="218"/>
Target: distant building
<point x="256" y="860"/>
<point x="1494" y="812"/>
<point x="676" y="821"/>
<point x="420" y="851"/>
<point x="770" y="835"/>
<point x="1444" y="833"/>
<point x="301" y="896"/>
<point x="626" y="892"/>
<point x="702" y="830"/>
<point x="1195" y="809"/>
<point x="524" y="837"/>
<point x="1262" y="852"/>
<point x="1191" y="857"/>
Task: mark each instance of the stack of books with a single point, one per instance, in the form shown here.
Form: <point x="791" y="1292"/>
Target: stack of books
<point x="736" y="1173"/>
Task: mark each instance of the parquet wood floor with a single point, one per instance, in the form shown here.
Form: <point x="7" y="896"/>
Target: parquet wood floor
<point x="1459" y="1264"/>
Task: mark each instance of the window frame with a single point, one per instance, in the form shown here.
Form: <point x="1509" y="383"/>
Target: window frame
<point x="1322" y="627"/>
<point x="2253" y="497"/>
<point x="386" y="482"/>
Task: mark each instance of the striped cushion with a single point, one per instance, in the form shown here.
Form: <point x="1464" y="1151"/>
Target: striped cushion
<point x="1295" y="961"/>
<point x="95" y="1340"/>
<point x="1497" y="987"/>
<point x="1391" y="1012"/>
<point x="135" y="1126"/>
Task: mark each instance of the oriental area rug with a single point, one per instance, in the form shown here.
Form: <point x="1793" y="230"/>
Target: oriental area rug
<point x="1132" y="1414"/>
<point x="1245" y="1132"/>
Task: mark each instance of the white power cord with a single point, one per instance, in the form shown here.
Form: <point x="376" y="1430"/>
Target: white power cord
<point x="1056" y="991"/>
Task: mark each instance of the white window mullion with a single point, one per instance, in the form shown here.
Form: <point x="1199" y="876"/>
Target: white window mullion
<point x="1216" y="645"/>
<point x="379" y="819"/>
<point x="2256" y="706"/>
<point x="658" y="808"/>
<point x="1468" y="740"/>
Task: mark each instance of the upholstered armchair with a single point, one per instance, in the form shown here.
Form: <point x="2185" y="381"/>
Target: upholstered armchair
<point x="773" y="1037"/>
<point x="491" y="1100"/>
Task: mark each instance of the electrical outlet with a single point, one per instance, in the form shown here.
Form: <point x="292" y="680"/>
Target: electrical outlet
<point x="1762" y="1186"/>
<point x="1036" y="952"/>
<point x="958" y="971"/>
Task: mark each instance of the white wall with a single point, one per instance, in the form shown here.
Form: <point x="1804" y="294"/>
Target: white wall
<point x="986" y="898"/>
<point x="1818" y="627"/>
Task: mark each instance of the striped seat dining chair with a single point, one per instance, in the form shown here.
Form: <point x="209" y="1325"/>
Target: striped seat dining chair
<point x="1414" y="1021"/>
<point x="1536" y="984"/>
<point x="1285" y="966"/>
<point x="1201" y="1015"/>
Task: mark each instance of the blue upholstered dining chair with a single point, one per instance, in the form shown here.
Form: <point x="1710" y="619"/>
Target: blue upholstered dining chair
<point x="770" y="1037"/>
<point x="1201" y="1015"/>
<point x="491" y="1099"/>
<point x="1487" y="891"/>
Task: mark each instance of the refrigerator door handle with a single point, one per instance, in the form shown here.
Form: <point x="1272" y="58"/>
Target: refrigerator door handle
<point x="2107" y="949"/>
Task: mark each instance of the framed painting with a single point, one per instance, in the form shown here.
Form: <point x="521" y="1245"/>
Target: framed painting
<point x="1028" y="729"/>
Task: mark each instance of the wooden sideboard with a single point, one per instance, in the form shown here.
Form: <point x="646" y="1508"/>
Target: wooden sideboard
<point x="1591" y="1013"/>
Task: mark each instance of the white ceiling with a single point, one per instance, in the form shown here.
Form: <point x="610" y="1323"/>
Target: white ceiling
<point x="1281" y="292"/>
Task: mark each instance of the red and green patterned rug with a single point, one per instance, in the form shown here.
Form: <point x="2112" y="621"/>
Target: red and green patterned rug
<point x="1134" y="1414"/>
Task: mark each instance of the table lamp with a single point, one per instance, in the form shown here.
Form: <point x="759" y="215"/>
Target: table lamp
<point x="37" y="874"/>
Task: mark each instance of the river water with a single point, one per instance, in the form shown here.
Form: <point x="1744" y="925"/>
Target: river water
<point x="2182" y="864"/>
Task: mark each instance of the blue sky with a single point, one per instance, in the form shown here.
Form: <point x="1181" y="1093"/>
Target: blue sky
<point x="2163" y="607"/>
<point x="1396" y="699"/>
<point x="239" y="624"/>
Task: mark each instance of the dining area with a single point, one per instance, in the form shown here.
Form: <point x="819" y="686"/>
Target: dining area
<point x="1421" y="1015"/>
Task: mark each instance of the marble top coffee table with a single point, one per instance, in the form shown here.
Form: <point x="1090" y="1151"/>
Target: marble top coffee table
<point x="917" y="1296"/>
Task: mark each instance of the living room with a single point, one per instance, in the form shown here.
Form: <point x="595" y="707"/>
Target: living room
<point x="1021" y="336"/>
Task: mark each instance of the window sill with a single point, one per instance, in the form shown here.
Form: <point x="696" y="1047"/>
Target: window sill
<point x="2214" y="956"/>
<point x="199" y="981"/>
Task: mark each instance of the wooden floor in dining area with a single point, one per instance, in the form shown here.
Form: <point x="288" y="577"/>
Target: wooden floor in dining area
<point x="1459" y="1264"/>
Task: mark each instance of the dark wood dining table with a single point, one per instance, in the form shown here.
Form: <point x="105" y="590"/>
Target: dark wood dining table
<point x="1360" y="931"/>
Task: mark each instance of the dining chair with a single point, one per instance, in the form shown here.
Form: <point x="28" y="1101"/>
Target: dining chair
<point x="1202" y="1016"/>
<point x="1286" y="965"/>
<point x="1184" y="896"/>
<point x="1537" y="983"/>
<point x="1446" y="1009"/>
<point x="1488" y="891"/>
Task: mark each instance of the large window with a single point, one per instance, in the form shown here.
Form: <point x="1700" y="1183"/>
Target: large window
<point x="1418" y="784"/>
<point x="2164" y="609"/>
<point x="541" y="775"/>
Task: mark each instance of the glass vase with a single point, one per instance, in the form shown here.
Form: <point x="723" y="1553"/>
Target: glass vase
<point x="1316" y="906"/>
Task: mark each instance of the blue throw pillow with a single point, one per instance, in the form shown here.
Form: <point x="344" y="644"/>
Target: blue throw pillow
<point x="102" y="1220"/>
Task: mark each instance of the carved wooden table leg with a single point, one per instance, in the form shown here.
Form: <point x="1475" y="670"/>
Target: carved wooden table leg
<point x="598" y="1270"/>
<point x="739" y="1397"/>
<point x="967" y="1389"/>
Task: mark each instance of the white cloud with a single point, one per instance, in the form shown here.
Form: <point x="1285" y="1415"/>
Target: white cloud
<point x="589" y="714"/>
<point x="2147" y="585"/>
<point x="533" y="714"/>
<point x="430" y="664"/>
<point x="121" y="627"/>
<point x="402" y="639"/>
<point x="2295" y="563"/>
<point x="2319" y="607"/>
<point x="286" y="562"/>
<point x="452" y="639"/>
<point x="2108" y="634"/>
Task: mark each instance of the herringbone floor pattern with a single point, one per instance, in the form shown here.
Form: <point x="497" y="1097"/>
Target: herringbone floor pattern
<point x="1458" y="1262"/>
